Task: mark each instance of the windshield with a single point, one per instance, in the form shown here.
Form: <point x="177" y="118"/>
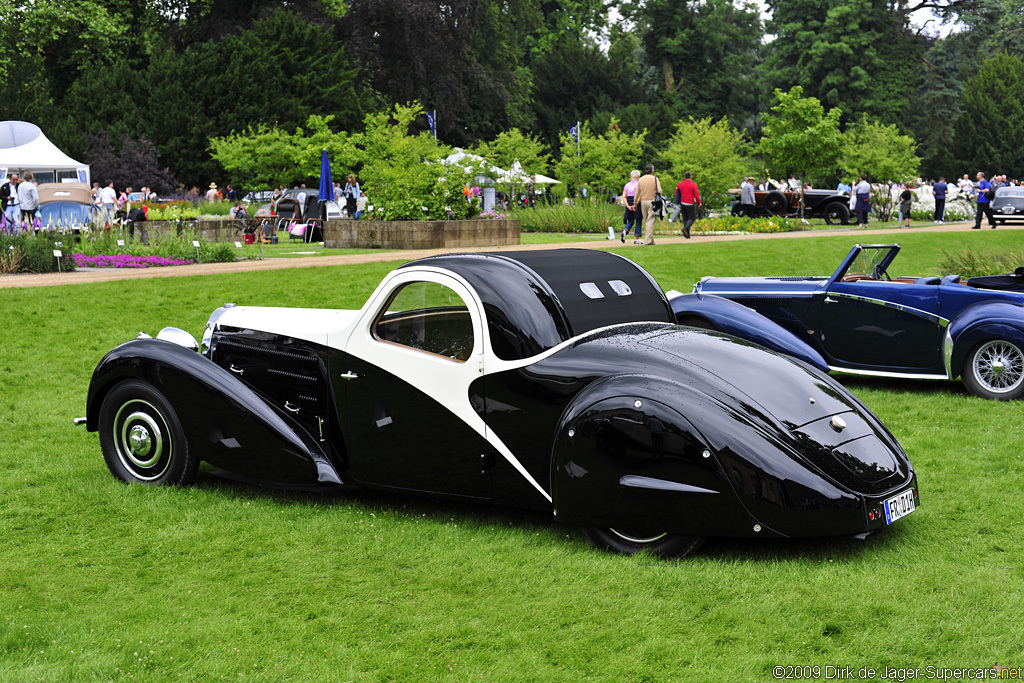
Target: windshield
<point x="1010" y="192"/>
<point x="872" y="262"/>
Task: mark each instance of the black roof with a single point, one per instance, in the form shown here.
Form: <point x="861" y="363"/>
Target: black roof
<point x="534" y="300"/>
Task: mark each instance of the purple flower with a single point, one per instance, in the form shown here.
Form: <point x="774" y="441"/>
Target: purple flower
<point x="127" y="261"/>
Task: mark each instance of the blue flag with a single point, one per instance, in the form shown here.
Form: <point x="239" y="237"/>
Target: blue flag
<point x="574" y="132"/>
<point x="432" y="122"/>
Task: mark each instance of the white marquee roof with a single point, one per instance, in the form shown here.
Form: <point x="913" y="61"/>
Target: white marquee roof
<point x="23" y="147"/>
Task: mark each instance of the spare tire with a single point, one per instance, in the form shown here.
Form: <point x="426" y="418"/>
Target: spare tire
<point x="775" y="203"/>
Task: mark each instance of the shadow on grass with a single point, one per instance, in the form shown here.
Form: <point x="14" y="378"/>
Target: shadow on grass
<point x="532" y="522"/>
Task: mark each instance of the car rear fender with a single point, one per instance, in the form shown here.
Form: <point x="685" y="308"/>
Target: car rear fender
<point x="983" y="322"/>
<point x="226" y="423"/>
<point x="725" y="315"/>
<point x="622" y="459"/>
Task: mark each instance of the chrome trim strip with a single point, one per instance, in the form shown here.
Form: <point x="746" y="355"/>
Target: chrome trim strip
<point x="947" y="354"/>
<point x="882" y="373"/>
<point x="766" y="294"/>
<point x="638" y="482"/>
<point x="937" y="319"/>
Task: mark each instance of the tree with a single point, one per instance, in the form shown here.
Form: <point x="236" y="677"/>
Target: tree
<point x="136" y="164"/>
<point x="603" y="162"/>
<point x="854" y="55"/>
<point x="880" y="152"/>
<point x="991" y="124"/>
<point x="704" y="54"/>
<point x="256" y="76"/>
<point x="514" y="145"/>
<point x="403" y="172"/>
<point x="713" y="152"/>
<point x="800" y="138"/>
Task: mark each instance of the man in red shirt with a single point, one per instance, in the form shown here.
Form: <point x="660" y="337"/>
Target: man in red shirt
<point x="688" y="198"/>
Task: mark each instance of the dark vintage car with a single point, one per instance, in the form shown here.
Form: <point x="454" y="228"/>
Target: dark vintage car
<point x="546" y="380"/>
<point x="1008" y="204"/>
<point x="831" y="205"/>
<point x="864" y="319"/>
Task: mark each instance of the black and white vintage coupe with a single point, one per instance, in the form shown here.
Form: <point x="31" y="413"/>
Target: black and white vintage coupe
<point x="548" y="380"/>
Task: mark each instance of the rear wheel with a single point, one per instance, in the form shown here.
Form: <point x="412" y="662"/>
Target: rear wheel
<point x="775" y="203"/>
<point x="631" y="543"/>
<point x="995" y="370"/>
<point x="142" y="439"/>
<point x="837" y="213"/>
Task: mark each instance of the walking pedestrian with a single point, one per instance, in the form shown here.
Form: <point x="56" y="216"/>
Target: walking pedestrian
<point x="688" y="198"/>
<point x="647" y="189"/>
<point x="631" y="217"/>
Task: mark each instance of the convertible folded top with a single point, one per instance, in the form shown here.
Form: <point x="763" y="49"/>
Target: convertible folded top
<point x="1010" y="282"/>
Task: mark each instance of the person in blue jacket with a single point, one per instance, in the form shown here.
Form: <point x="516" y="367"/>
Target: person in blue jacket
<point x="984" y="203"/>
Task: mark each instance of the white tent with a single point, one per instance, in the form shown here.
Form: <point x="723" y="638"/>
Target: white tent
<point x="23" y="147"/>
<point x="517" y="175"/>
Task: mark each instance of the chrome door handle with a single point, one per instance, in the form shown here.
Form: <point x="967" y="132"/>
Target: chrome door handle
<point x="290" y="408"/>
<point x="349" y="375"/>
<point x="830" y="300"/>
<point x="237" y="371"/>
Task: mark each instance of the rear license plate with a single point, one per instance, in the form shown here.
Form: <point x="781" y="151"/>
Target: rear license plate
<point x="899" y="506"/>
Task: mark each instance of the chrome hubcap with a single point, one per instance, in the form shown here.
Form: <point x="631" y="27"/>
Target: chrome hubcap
<point x="140" y="441"/>
<point x="139" y="438"/>
<point x="999" y="366"/>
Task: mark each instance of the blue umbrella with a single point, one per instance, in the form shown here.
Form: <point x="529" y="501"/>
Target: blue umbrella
<point x="326" y="186"/>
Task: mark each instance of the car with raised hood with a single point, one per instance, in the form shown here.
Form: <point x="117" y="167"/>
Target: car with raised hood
<point x="866" y="319"/>
<point x="545" y="380"/>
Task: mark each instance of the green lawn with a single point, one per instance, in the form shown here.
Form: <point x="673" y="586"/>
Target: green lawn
<point x="221" y="581"/>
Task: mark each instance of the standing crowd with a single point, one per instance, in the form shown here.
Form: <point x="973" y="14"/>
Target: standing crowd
<point x="20" y="200"/>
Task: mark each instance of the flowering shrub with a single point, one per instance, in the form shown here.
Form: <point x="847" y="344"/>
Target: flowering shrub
<point x="34" y="254"/>
<point x="744" y="224"/>
<point x="127" y="261"/>
<point x="494" y="215"/>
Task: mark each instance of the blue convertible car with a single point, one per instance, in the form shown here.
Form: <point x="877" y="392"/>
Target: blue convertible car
<point x="863" y="319"/>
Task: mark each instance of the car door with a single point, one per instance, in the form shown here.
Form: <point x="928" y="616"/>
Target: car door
<point x="407" y="369"/>
<point x="881" y="325"/>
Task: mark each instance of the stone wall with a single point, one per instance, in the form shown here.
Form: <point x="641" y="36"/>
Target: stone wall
<point x="352" y="234"/>
<point x="210" y="231"/>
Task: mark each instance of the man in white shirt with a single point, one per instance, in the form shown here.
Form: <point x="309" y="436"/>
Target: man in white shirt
<point x="108" y="198"/>
<point x="28" y="198"/>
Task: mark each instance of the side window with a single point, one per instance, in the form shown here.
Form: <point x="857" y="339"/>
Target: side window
<point x="429" y="317"/>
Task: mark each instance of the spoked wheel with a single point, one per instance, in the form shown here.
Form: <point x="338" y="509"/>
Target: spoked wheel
<point x="837" y="214"/>
<point x="631" y="543"/>
<point x="142" y="439"/>
<point x="995" y="370"/>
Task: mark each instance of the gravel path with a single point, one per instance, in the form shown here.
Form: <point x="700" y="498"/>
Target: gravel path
<point x="111" y="274"/>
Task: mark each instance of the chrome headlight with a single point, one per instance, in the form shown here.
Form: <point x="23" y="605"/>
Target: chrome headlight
<point x="179" y="337"/>
<point x="211" y="325"/>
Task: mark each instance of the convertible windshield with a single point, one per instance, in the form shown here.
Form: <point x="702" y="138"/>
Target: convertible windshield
<point x="872" y="261"/>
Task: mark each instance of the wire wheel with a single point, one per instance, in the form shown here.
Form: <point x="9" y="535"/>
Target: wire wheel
<point x="995" y="370"/>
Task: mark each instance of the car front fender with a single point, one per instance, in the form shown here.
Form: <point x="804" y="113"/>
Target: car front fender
<point x="226" y="423"/>
<point x="983" y="322"/>
<point x="725" y="315"/>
